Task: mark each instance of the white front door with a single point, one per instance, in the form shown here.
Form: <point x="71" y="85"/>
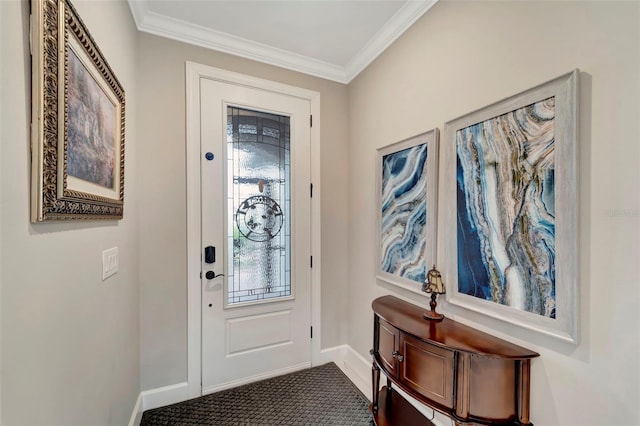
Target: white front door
<point x="256" y="245"/>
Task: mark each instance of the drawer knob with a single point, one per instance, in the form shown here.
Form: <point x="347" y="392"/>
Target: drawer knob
<point x="397" y="355"/>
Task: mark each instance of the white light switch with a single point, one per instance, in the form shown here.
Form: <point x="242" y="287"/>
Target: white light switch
<point x="109" y="262"/>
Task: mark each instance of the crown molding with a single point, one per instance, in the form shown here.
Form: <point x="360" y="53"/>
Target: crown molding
<point x="163" y="26"/>
<point x="400" y="22"/>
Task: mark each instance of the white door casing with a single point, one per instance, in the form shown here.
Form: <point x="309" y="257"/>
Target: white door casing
<point x="221" y="357"/>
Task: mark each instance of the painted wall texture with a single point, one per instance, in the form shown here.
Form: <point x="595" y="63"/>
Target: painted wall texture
<point x="70" y="353"/>
<point x="462" y="56"/>
<point x="81" y="350"/>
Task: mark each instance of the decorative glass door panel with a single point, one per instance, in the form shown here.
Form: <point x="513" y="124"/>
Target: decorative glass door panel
<point x="259" y="207"/>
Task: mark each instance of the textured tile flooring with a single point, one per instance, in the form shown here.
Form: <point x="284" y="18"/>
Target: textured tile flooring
<point x="320" y="395"/>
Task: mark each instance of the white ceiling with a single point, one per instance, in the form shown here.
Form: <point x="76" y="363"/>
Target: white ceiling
<point x="332" y="39"/>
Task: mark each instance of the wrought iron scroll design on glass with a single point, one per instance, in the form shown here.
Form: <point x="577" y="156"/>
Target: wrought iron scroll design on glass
<point x="259" y="206"/>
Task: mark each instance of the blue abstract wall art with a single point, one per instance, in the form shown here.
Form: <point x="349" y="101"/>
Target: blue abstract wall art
<point x="404" y="213"/>
<point x="506" y="210"/>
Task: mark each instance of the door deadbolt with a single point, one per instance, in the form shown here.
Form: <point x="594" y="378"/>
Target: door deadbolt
<point x="209" y="254"/>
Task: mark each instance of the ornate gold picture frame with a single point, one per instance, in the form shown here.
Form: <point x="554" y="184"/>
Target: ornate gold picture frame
<point x="78" y="112"/>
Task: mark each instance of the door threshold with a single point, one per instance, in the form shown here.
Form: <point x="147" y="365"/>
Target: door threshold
<point x="235" y="383"/>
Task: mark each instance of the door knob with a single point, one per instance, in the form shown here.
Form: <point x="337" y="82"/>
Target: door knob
<point x="211" y="275"/>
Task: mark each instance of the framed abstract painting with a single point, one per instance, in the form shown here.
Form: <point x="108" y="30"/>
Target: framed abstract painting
<point x="407" y="184"/>
<point x="78" y="111"/>
<point x="513" y="251"/>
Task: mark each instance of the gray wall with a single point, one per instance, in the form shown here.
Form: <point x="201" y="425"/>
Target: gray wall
<point x="70" y="344"/>
<point x="161" y="172"/>
<point x="462" y="56"/>
<point x="69" y="341"/>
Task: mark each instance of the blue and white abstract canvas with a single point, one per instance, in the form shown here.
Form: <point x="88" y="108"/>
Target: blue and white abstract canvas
<point x="403" y="207"/>
<point x="506" y="209"/>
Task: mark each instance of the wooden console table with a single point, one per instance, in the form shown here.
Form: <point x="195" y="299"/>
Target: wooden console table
<point x="469" y="375"/>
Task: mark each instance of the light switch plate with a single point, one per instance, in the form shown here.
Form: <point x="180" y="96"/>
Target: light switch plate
<point x="109" y="262"/>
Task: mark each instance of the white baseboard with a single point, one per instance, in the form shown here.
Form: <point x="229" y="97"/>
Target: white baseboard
<point x="137" y="409"/>
<point x="165" y="395"/>
<point x="354" y="365"/>
<point x="350" y="362"/>
<point x="335" y="354"/>
<point x="358" y="369"/>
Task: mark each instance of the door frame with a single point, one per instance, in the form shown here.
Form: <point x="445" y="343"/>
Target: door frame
<point x="195" y="72"/>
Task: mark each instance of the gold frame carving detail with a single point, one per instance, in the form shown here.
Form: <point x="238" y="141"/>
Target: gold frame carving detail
<point x="60" y="41"/>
